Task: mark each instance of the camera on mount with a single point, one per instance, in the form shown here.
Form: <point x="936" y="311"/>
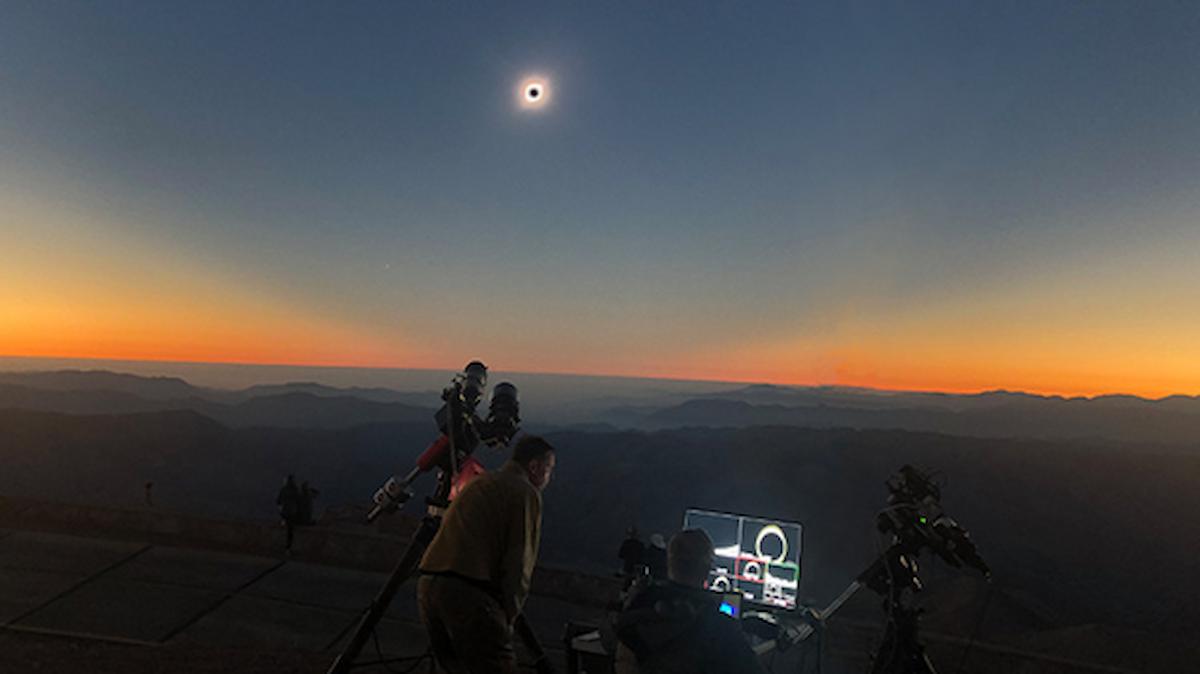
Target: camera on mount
<point x="915" y="519"/>
<point x="461" y="432"/>
<point x="459" y="402"/>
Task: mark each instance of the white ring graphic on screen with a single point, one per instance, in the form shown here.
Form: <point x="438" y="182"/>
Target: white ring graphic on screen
<point x="752" y="570"/>
<point x="772" y="530"/>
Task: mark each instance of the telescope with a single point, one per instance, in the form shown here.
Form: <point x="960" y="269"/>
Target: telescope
<point x="461" y="428"/>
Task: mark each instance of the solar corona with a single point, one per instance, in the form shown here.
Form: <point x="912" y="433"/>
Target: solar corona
<point x="533" y="93"/>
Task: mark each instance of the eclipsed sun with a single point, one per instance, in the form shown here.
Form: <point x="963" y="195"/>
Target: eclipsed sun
<point x="533" y="93"/>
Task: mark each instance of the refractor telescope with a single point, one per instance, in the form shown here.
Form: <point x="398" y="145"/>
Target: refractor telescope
<point x="462" y="431"/>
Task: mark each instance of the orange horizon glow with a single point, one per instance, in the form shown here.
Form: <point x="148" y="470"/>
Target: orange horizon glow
<point x="848" y="377"/>
<point x="1060" y="332"/>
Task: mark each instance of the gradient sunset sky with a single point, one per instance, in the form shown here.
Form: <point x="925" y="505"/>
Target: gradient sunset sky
<point x="954" y="196"/>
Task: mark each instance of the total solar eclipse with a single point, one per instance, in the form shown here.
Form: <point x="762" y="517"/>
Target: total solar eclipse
<point x="533" y="93"/>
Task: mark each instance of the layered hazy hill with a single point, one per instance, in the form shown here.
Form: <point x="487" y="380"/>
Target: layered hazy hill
<point x="578" y="402"/>
<point x="1000" y="414"/>
<point x="294" y="405"/>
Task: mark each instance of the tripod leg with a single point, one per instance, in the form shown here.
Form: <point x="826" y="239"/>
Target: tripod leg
<point x="403" y="571"/>
<point x="901" y="651"/>
<point x="525" y="632"/>
<point x="885" y="655"/>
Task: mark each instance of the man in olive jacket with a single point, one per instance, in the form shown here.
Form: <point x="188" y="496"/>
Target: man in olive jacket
<point x="475" y="575"/>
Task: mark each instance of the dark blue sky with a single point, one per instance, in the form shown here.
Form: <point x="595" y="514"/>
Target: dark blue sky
<point x="716" y="189"/>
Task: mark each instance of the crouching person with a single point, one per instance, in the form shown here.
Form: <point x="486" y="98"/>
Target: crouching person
<point x="676" y="626"/>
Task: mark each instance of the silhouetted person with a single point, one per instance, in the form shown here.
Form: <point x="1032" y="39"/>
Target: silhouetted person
<point x="475" y="575"/>
<point x="149" y="494"/>
<point x="288" y="501"/>
<point x="307" y="496"/>
<point x="676" y="626"/>
<point x="655" y="557"/>
<point x="631" y="553"/>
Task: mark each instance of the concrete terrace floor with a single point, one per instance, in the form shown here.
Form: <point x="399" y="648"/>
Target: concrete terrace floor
<point x="108" y="590"/>
<point x="69" y="603"/>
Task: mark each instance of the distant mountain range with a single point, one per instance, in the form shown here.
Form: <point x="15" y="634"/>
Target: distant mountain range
<point x="993" y="415"/>
<point x="300" y="405"/>
<point x="865" y="398"/>
<point x="1174" y="420"/>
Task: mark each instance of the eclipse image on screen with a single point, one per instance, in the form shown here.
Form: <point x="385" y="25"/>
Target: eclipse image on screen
<point x="755" y="557"/>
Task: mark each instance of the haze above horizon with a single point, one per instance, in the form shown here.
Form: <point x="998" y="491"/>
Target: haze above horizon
<point x="951" y="197"/>
<point x="235" y="376"/>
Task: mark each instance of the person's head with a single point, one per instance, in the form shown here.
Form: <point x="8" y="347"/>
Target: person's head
<point x="536" y="456"/>
<point x="291" y="479"/>
<point x="631" y="532"/>
<point x="689" y="557"/>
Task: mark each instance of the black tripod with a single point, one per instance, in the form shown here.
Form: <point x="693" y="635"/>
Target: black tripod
<point x="894" y="575"/>
<point x="404" y="570"/>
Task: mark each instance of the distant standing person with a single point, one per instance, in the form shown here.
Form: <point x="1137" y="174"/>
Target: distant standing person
<point x="150" y="494"/>
<point x="307" y="496"/>
<point x="656" y="557"/>
<point x="288" y="501"/>
<point x="631" y="553"/>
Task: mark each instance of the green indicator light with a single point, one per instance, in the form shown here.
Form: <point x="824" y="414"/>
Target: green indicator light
<point x="923" y="520"/>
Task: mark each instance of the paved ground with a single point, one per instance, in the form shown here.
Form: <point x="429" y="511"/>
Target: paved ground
<point x="77" y="604"/>
<point x="159" y="608"/>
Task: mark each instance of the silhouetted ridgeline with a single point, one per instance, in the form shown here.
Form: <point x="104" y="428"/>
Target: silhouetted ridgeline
<point x="1000" y="415"/>
<point x="567" y="403"/>
<point x="298" y="406"/>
